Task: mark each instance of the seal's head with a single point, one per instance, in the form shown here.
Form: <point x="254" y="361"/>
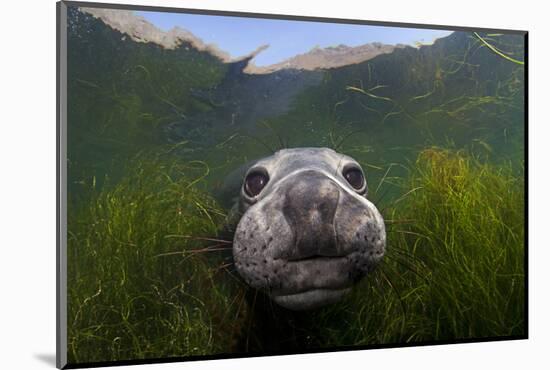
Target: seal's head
<point x="307" y="231"/>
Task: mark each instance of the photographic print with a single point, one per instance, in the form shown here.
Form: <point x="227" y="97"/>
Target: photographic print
<point x="241" y="185"/>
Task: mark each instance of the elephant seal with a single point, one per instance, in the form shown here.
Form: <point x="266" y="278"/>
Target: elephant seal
<point x="306" y="231"/>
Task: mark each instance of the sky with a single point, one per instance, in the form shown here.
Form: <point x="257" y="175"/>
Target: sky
<point x="239" y="36"/>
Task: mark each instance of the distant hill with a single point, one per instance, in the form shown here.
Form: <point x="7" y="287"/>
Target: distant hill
<point x="140" y="30"/>
<point x="330" y="57"/>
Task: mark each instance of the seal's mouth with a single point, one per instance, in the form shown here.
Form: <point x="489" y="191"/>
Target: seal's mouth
<point x="318" y="281"/>
<point x="310" y="299"/>
<point x="315" y="257"/>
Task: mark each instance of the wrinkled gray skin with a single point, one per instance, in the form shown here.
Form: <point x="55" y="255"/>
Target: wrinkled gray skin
<point x="308" y="236"/>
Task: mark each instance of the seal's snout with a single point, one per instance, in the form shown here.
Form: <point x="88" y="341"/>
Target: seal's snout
<point x="309" y="208"/>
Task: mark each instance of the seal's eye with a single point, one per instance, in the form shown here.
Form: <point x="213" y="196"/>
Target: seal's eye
<point x="355" y="177"/>
<point x="254" y="183"/>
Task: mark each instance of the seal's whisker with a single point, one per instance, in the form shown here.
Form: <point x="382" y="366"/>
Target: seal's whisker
<point x="242" y="300"/>
<point x="232" y="272"/>
<point x="214" y="248"/>
<point x="402" y="253"/>
<point x="404" y="221"/>
<point x="409" y="267"/>
<point x="240" y="291"/>
<point x="410" y="233"/>
<point x="339" y="165"/>
<point x="272" y="309"/>
<point x="259" y="141"/>
<point x="282" y="143"/>
<point x="222" y="267"/>
<point x="198" y="238"/>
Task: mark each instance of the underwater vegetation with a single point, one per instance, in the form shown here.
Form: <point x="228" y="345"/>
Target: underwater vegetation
<point x="140" y="285"/>
<point x="152" y="135"/>
<point x="143" y="283"/>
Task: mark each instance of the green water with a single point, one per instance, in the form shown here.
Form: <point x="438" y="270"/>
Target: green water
<point x="153" y="135"/>
<point x="122" y="96"/>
